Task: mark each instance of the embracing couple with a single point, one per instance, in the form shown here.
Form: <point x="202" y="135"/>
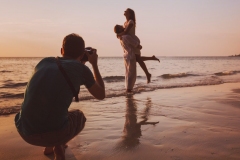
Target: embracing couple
<point x="131" y="48"/>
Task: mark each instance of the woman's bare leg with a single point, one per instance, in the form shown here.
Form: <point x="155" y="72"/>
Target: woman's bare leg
<point x="153" y="58"/>
<point x="143" y="66"/>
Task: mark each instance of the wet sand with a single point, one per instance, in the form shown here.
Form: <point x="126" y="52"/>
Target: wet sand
<point x="194" y="123"/>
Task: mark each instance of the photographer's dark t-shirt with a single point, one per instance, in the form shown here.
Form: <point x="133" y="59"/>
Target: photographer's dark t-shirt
<point x="48" y="95"/>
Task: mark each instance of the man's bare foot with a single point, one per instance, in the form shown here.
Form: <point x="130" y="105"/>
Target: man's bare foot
<point x="129" y="90"/>
<point x="155" y="58"/>
<point x="149" y="78"/>
<point x="59" y="152"/>
<point x="48" y="150"/>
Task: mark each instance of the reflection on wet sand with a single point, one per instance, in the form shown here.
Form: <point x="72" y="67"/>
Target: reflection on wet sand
<point x="132" y="128"/>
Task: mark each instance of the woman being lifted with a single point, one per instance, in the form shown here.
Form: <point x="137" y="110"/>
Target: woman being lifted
<point x="129" y="29"/>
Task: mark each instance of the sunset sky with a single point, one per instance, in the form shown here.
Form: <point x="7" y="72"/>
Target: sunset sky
<point x="165" y="27"/>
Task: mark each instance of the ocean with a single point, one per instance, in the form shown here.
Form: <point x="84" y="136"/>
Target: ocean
<point x="171" y="72"/>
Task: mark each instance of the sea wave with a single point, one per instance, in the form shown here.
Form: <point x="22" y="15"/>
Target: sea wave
<point x="11" y="95"/>
<point x="178" y="75"/>
<point x="9" y="110"/>
<point x="110" y="79"/>
<point x="212" y="80"/>
<point x="13" y="85"/>
<point x="226" y="73"/>
<point x="114" y="78"/>
<point x="5" y="71"/>
<point x="139" y="88"/>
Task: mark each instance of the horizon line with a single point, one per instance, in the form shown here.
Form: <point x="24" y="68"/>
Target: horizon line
<point x="118" y="56"/>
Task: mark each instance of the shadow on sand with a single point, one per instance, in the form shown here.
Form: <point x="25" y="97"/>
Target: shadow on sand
<point x="132" y="128"/>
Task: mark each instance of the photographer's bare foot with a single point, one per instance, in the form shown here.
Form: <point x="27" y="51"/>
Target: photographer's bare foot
<point x="59" y="152"/>
<point x="48" y="150"/>
<point x="149" y="78"/>
<point x="155" y="58"/>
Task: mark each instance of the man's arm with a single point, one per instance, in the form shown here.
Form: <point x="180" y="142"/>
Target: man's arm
<point x="98" y="88"/>
<point x="126" y="30"/>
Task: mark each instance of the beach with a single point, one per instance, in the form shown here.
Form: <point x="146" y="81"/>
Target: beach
<point x="68" y="71"/>
<point x="199" y="122"/>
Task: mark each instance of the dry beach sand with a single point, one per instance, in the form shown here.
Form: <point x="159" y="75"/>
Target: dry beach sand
<point x="194" y="123"/>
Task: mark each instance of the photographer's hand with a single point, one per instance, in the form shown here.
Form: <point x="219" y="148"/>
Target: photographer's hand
<point x="92" y="58"/>
<point x="98" y="89"/>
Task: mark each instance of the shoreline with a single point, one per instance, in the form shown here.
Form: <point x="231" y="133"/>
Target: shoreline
<point x="194" y="123"/>
<point x="15" y="103"/>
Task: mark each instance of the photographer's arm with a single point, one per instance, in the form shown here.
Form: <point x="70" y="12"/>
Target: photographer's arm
<point x="98" y="89"/>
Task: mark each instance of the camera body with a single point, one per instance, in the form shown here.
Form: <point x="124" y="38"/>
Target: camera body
<point x="85" y="57"/>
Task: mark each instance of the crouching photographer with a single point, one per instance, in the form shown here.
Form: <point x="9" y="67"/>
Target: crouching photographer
<point x="44" y="119"/>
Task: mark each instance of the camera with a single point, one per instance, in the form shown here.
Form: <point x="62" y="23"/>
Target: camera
<point x="90" y="51"/>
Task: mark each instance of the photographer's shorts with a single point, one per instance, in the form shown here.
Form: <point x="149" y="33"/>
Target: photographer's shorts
<point x="76" y="122"/>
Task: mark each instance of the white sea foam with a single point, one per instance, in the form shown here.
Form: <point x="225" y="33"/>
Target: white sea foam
<point x="226" y="73"/>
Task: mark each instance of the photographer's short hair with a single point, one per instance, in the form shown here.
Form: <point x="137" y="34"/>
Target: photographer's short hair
<point x="73" y="45"/>
<point x="118" y="29"/>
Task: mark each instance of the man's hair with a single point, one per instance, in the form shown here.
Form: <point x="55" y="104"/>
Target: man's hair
<point x="73" y="45"/>
<point x="118" y="29"/>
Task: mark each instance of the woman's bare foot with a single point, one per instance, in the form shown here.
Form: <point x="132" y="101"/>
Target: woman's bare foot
<point x="149" y="78"/>
<point x="48" y="150"/>
<point x="155" y="58"/>
<point x="59" y="152"/>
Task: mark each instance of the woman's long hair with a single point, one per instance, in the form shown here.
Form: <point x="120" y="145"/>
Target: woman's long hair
<point x="132" y="15"/>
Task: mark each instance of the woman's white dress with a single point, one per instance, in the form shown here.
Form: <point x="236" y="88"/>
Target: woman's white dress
<point x="132" y="34"/>
<point x="129" y="57"/>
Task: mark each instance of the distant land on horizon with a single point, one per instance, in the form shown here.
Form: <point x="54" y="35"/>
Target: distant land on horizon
<point x="121" y="56"/>
<point x="236" y="55"/>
